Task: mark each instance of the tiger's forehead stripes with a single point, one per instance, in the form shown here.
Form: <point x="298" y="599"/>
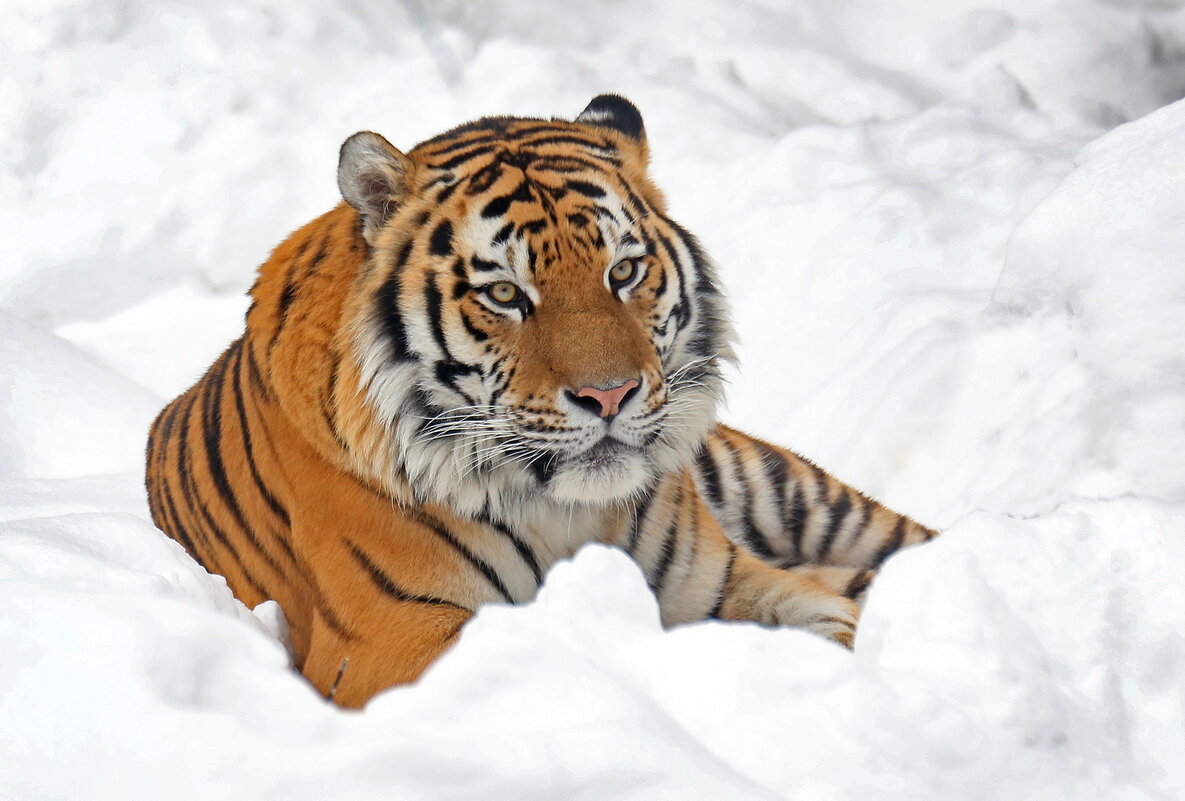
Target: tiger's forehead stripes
<point x="523" y="214"/>
<point x="491" y="133"/>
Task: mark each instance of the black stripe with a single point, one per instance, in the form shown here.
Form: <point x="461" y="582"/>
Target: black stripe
<point x="503" y="234"/>
<point x="269" y="498"/>
<point x="524" y="550"/>
<point x="693" y="528"/>
<point x="404" y="254"/>
<point x="585" y="188"/>
<point x="699" y="260"/>
<point x="435" y="303"/>
<point x="287" y="294"/>
<point x="499" y="205"/>
<point x="482" y="265"/>
<point x="187" y="488"/>
<point x="420" y="403"/>
<point x="639" y="520"/>
<point x="860" y="527"/>
<point x="820" y="482"/>
<point x="598" y="150"/>
<point x="554" y="137"/>
<point x="796" y="519"/>
<point x="543" y="127"/>
<point x="566" y="164"/>
<point x="523" y="192"/>
<point x="461" y="286"/>
<point x="318" y="257"/>
<point x="894" y="542"/>
<point x="444" y="150"/>
<point x="448" y="373"/>
<point x="753" y="538"/>
<point x="169" y="515"/>
<point x="720" y="594"/>
<point x="461" y="158"/>
<point x="831" y="619"/>
<point x="858" y="584"/>
<point x="838" y="514"/>
<point x="187" y="402"/>
<point x="475" y="332"/>
<point x="442" y="239"/>
<point x="661" y="289"/>
<point x="331" y="618"/>
<point x="388" y="586"/>
<point x="681" y="308"/>
<point x="667" y="554"/>
<point x="637" y="207"/>
<point x="151" y="457"/>
<point x="165" y="430"/>
<point x="473" y="559"/>
<point x="256" y="375"/>
<point x="387" y="308"/>
<point x="776" y="473"/>
<point x="329" y="406"/>
<point x="484" y="178"/>
<point x="710" y="475"/>
<point x="543" y="468"/>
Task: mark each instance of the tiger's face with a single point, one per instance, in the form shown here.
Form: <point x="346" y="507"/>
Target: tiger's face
<point x="531" y="325"/>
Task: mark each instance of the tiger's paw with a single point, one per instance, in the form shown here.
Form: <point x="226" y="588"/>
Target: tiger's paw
<point x="850" y="582"/>
<point x="833" y="617"/>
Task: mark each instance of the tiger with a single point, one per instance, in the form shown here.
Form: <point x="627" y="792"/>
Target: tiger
<point x="496" y="349"/>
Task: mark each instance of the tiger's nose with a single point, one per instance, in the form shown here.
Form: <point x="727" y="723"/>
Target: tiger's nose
<point x="604" y="402"/>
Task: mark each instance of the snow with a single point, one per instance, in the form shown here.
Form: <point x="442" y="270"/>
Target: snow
<point x="952" y="235"/>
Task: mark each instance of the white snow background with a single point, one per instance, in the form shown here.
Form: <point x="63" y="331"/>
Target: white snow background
<point x="954" y="237"/>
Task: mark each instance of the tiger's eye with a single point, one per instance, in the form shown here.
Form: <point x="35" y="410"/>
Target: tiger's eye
<point x="623" y="272"/>
<point x="504" y="292"/>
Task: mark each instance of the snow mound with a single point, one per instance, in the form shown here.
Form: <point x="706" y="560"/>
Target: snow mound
<point x="1100" y="259"/>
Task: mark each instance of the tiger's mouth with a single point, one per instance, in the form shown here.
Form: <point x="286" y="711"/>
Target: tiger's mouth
<point x="608" y="453"/>
<point x="609" y="470"/>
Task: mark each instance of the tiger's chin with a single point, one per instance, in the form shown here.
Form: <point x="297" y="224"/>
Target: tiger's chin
<point x="606" y="473"/>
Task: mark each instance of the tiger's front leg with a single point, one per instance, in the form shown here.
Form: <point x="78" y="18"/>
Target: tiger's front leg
<point x="788" y="511"/>
<point x="696" y="572"/>
<point x="390" y="586"/>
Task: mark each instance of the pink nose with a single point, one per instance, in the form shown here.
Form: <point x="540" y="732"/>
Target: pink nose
<point x="609" y="399"/>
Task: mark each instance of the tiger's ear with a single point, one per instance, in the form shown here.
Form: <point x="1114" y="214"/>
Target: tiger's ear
<point x="374" y="178"/>
<point x="618" y="114"/>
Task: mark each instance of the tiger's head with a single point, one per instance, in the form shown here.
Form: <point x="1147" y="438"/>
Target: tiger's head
<point x="530" y="324"/>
